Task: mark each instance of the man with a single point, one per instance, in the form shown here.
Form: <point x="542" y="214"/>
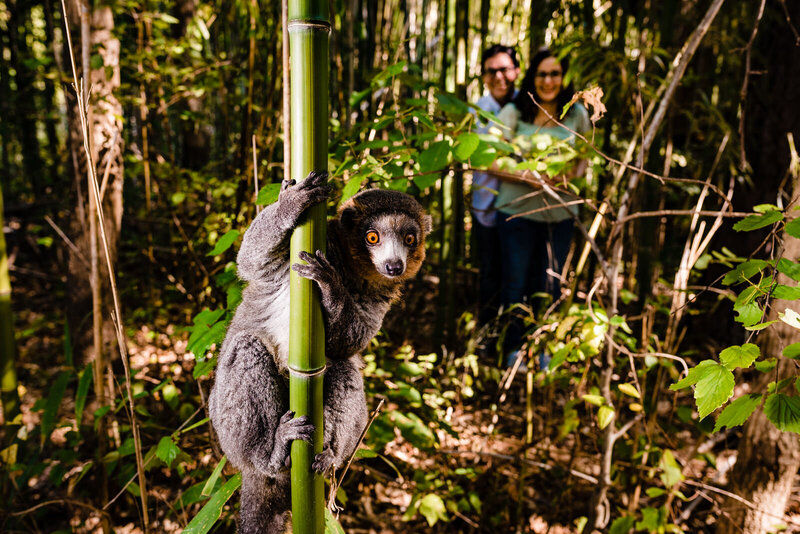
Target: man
<point x="500" y="68"/>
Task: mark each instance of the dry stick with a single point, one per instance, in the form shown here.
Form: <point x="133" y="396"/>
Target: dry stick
<point x="742" y="500"/>
<point x="600" y="506"/>
<point x="335" y="484"/>
<point x="117" y="316"/>
<point x="255" y="172"/>
<point x="75" y="250"/>
<point x="789" y="22"/>
<point x="743" y="93"/>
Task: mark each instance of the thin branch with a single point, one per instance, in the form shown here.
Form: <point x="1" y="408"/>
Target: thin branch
<point x="743" y="92"/>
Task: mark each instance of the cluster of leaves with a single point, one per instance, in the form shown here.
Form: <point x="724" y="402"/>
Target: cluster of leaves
<point x="758" y="286"/>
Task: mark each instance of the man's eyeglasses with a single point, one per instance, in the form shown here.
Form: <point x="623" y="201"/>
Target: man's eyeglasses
<point x="501" y="70"/>
<point x="554" y="74"/>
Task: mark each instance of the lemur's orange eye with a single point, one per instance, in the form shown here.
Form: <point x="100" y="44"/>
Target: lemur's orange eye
<point x="373" y="237"/>
<point x="411" y="239"/>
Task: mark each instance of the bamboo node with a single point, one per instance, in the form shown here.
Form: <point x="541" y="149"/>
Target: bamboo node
<point x="306" y="25"/>
<point x="308" y="374"/>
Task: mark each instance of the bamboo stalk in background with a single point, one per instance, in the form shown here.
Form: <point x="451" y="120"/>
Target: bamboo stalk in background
<point x="8" y="373"/>
<point x="309" y="30"/>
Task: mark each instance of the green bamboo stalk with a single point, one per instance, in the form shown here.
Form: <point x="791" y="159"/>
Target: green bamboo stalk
<point x="309" y="30"/>
<point x="8" y="373"/>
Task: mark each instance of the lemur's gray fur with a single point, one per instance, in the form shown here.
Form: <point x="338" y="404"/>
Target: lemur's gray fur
<point x="358" y="280"/>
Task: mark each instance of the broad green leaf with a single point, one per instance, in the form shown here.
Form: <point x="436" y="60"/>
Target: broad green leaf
<point x="466" y="144"/>
<point x="483" y="156"/>
<point x="268" y="194"/>
<point x="83" y="390"/>
<point x="433" y="509"/>
<point x="759" y="326"/>
<point x="784" y="412"/>
<point x="714" y="389"/>
<point x="351" y="187"/>
<point x="53" y="403"/>
<point x="744" y="271"/>
<point x="793" y="227"/>
<point x="332" y="525"/>
<point x="737" y="412"/>
<point x="451" y="104"/>
<point x="215" y="334"/>
<point x="695" y="374"/>
<point x="209" y="514"/>
<point x="630" y="390"/>
<point x="789" y="268"/>
<point x="622" y="525"/>
<point x="605" y="415"/>
<point x="792" y="351"/>
<point x="786" y="292"/>
<point x="167" y="450"/>
<point x="212" y="480"/>
<point x="426" y="180"/>
<point x="767" y="365"/>
<point x="739" y="356"/>
<point x="670" y="470"/>
<point x="790" y="317"/>
<point x="754" y="222"/>
<point x="651" y="520"/>
<point x="764" y="208"/>
<point x="207" y="317"/>
<point x="773" y="387"/>
<point x="435" y="157"/>
<point x="224" y="243"/>
<point x="748" y="313"/>
<point x="204" y="368"/>
<point x="596" y="400"/>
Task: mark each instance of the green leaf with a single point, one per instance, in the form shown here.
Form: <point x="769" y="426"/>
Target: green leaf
<point x="695" y="374"/>
<point x="451" y="104"/>
<point x="83" y="390"/>
<point x="212" y="335"/>
<point x="748" y="313"/>
<point x="96" y="62"/>
<point x="651" y="520"/>
<point x="767" y="365"/>
<point x="630" y="390"/>
<point x="784" y="412"/>
<point x="212" y="480"/>
<point x="789" y="268"/>
<point x="744" y="271"/>
<point x="739" y="356"/>
<point x="209" y="514"/>
<point x="792" y="351"/>
<point x="754" y="222"/>
<point x="433" y="509"/>
<point x="714" y="389"/>
<point x="466" y="144"/>
<point x="435" y="157"/>
<point x="737" y="412"/>
<point x="783" y="292"/>
<point x="425" y="181"/>
<point x="759" y="326"/>
<point x="351" y="187"/>
<point x="483" y="156"/>
<point x="622" y="525"/>
<point x="53" y="403"/>
<point x="332" y="525"/>
<point x="605" y="415"/>
<point x="204" y="368"/>
<point x="793" y="227"/>
<point x="167" y="450"/>
<point x="596" y="400"/>
<point x="670" y="470"/>
<point x="268" y="194"/>
<point x="224" y="243"/>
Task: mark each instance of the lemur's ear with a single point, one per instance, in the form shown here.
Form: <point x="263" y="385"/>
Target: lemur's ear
<point x="347" y="217"/>
<point x="427" y="224"/>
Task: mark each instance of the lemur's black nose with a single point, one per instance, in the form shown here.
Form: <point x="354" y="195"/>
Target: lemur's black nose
<point x="394" y="267"/>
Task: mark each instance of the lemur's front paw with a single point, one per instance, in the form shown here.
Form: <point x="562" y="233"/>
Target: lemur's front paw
<point x="318" y="269"/>
<point x="323" y="461"/>
<point x="291" y="428"/>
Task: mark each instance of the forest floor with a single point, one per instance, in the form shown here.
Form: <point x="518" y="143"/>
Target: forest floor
<point x="540" y="488"/>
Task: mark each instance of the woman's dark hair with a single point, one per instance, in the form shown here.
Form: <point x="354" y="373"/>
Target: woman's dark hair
<point x="499" y="49"/>
<point x="523" y="102"/>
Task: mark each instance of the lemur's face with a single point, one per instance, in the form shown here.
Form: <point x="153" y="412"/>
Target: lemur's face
<point x="392" y="240"/>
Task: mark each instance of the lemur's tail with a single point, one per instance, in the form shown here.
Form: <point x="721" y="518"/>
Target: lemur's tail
<point x="265" y="504"/>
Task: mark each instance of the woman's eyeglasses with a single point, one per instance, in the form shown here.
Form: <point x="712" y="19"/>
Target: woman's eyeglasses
<point x="554" y="74"/>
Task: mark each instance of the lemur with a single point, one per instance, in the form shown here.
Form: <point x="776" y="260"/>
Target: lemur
<point x="375" y="244"/>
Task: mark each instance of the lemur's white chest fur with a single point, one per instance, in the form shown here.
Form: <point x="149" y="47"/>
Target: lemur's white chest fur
<point x="275" y="334"/>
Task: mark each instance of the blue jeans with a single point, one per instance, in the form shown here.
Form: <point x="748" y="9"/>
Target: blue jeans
<point x="528" y="249"/>
<point x="487" y="243"/>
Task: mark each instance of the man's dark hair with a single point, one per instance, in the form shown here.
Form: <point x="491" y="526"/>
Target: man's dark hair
<point x="499" y="49"/>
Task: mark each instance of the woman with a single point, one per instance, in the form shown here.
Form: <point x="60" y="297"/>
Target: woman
<point x="535" y="231"/>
